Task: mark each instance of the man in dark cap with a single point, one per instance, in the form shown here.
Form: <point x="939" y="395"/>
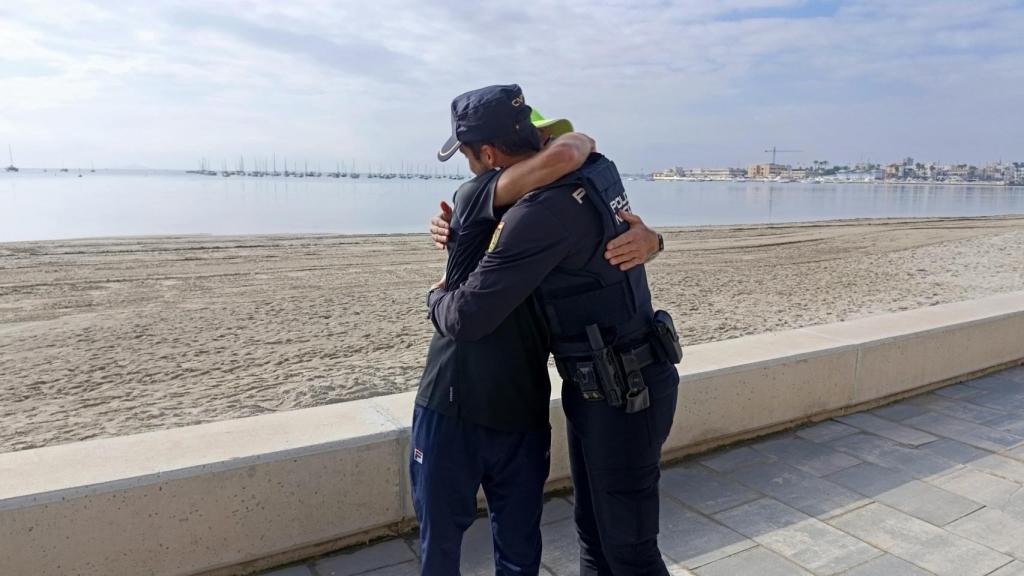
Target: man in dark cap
<point x="615" y="353"/>
<point x="481" y="416"/>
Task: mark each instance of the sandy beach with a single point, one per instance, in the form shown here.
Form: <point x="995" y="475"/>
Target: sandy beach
<point x="104" y="337"/>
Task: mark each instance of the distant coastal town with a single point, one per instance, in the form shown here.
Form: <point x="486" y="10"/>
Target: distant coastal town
<point x="907" y="171"/>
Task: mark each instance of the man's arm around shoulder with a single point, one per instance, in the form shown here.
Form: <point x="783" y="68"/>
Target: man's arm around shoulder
<point x="563" y="155"/>
<point x="528" y="244"/>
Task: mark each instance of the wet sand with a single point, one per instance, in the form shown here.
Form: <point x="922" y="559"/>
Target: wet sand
<point x="104" y="337"/>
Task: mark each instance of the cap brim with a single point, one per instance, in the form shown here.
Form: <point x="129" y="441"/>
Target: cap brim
<point x="555" y="126"/>
<point x="449" y="148"/>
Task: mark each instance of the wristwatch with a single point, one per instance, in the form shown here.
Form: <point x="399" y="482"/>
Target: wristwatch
<point x="661" y="248"/>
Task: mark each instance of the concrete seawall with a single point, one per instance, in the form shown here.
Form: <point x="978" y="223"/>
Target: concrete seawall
<point x="237" y="495"/>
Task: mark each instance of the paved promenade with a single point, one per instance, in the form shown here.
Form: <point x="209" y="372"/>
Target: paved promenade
<point x="930" y="485"/>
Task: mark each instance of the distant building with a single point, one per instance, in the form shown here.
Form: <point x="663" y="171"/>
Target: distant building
<point x="766" y="170"/>
<point x="997" y="172"/>
<point x="716" y="173"/>
<point x="670" y="174"/>
<point x="866" y="175"/>
<point x="963" y="172"/>
<point x="1018" y="172"/>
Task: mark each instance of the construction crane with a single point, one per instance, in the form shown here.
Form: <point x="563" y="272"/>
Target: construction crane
<point x="775" y="150"/>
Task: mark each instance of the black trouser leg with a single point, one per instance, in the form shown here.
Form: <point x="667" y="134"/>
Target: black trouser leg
<point x="615" y="463"/>
<point x="517" y="467"/>
<point x="592" y="559"/>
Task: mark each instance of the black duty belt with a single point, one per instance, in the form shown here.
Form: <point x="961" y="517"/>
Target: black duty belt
<point x="612" y="376"/>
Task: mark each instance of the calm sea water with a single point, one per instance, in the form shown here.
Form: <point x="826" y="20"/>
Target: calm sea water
<point x="42" y="206"/>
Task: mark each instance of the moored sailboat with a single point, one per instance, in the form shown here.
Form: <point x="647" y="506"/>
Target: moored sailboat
<point x="11" y="167"/>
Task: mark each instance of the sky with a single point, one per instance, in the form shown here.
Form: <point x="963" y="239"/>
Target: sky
<point x="663" y="83"/>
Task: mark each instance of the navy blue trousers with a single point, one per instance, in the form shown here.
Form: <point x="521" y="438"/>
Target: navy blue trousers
<point x="614" y="458"/>
<point x="449" y="460"/>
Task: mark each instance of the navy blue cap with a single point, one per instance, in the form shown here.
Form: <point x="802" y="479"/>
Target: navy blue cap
<point x="485" y="115"/>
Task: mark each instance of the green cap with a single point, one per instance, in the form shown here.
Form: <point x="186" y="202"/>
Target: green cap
<point x="556" y="127"/>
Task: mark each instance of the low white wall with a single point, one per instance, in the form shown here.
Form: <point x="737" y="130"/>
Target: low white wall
<point x="239" y="495"/>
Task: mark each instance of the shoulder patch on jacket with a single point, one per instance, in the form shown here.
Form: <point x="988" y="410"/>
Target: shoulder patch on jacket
<point x="495" y="236"/>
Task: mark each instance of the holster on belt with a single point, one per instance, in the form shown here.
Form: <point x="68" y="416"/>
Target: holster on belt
<point x="615" y="377"/>
<point x="637" y="396"/>
<point x="667" y="338"/>
<point x="605" y="368"/>
<point x="619" y="374"/>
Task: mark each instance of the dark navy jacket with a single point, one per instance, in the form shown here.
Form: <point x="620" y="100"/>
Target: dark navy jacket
<point x="499" y="379"/>
<point x="545" y="230"/>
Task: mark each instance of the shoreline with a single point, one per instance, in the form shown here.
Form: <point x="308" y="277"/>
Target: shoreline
<point x="672" y="228"/>
<point x="886" y="183"/>
<point x="108" y="336"/>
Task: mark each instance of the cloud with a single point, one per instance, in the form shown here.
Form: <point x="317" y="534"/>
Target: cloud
<point x="346" y="57"/>
<point x="658" y="82"/>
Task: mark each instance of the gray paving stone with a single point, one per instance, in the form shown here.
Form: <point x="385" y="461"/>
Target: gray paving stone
<point x="955" y="451"/>
<point x="1003" y="400"/>
<point x="994" y="529"/>
<point x="561" y="553"/>
<point x="980" y="487"/>
<point x="805" y="455"/>
<point x="957" y="391"/>
<point x="406" y="569"/>
<point x="692" y="540"/>
<point x="826" y="431"/>
<point x="869" y="479"/>
<point x="675" y="569"/>
<point x="929" y="547"/>
<point x="703" y="489"/>
<point x="413" y="542"/>
<point x="958" y="408"/>
<point x="887" y="429"/>
<point x="999" y="465"/>
<point x="798" y="489"/>
<point x="885" y="452"/>
<point x="997" y="381"/>
<point x="1012" y="569"/>
<point x="964" y="431"/>
<point x="734" y="459"/>
<point x="995" y="464"/>
<point x="387" y="553"/>
<point x="806" y="541"/>
<point x="478" y="549"/>
<point x="1012" y="423"/>
<point x="754" y="561"/>
<point x="898" y="412"/>
<point x="929" y="503"/>
<point x="556" y="509"/>
<point x="887" y="565"/>
<point x="914" y="497"/>
<point x="291" y="571"/>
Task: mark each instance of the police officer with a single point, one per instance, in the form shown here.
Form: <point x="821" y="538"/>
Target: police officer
<point x="481" y="415"/>
<point x="614" y="352"/>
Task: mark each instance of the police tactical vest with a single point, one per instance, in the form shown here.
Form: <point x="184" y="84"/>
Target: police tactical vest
<point x="619" y="303"/>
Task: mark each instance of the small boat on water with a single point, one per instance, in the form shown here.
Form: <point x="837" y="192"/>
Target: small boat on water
<point x="11" y="167"/>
